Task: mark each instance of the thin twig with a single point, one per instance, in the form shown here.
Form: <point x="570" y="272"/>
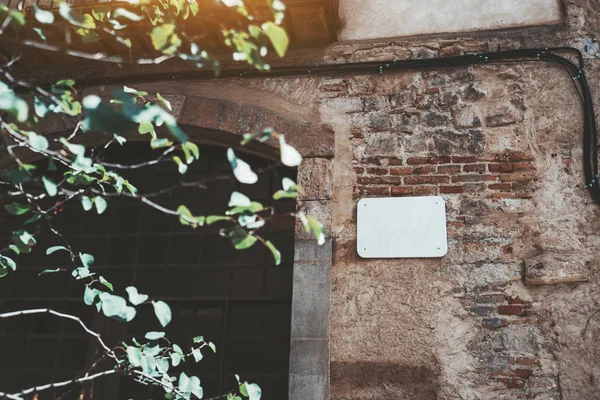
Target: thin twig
<point x="65" y="383"/>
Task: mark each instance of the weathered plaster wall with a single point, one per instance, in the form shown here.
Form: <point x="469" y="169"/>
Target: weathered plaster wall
<point x="375" y="19"/>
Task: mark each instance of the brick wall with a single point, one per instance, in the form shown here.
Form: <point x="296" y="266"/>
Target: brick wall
<point x="463" y="134"/>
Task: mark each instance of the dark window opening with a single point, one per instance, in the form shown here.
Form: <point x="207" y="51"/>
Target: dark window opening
<point x="239" y="300"/>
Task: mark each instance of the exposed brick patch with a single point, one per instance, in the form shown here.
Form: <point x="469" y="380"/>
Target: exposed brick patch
<point x="463" y="159"/>
<point x="474" y="168"/>
<point x="423" y="170"/>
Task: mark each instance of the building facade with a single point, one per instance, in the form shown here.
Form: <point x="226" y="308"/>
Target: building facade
<point x="506" y="313"/>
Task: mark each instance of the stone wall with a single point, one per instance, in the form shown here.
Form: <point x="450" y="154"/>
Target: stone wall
<point x="504" y="315"/>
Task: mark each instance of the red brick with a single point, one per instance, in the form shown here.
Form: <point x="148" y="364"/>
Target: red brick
<point x="520" y="156"/>
<point x="448" y="169"/>
<point x="467" y="178"/>
<point x="420" y="180"/>
<point x="504" y="167"/>
<point x="426" y="190"/>
<point x="518" y="372"/>
<point x="359" y="170"/>
<point x="371" y="160"/>
<point x="400" y="171"/>
<point x="474" y="168"/>
<point x="440" y="160"/>
<point x="473" y="187"/>
<point x="502" y="195"/>
<point x="433" y="90"/>
<point x="451" y="189"/>
<point x="523" y="166"/>
<point x="395" y="161"/>
<point x="505" y="187"/>
<point x="417" y="160"/>
<point x="463" y="159"/>
<point x="377" y="190"/>
<point x="424" y="169"/>
<point x="510" y="310"/>
<point x="567" y="161"/>
<point x="377" y="171"/>
<point x="380" y="180"/>
<point x="490" y="178"/>
<point x="402" y="190"/>
<point x="517" y="176"/>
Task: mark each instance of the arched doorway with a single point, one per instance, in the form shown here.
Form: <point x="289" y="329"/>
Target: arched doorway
<point x="238" y="299"/>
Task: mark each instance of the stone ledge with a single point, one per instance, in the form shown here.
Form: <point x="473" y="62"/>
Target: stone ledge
<point x="552" y="268"/>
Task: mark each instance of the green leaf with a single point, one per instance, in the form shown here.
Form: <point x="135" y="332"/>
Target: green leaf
<point x="12" y="103"/>
<point x="175" y="359"/>
<point x="49" y="271"/>
<point x="50" y="186"/>
<point x="81" y="273"/>
<point x="134" y="356"/>
<point x="3" y="272"/>
<point x="65" y="83"/>
<point x="278" y="36"/>
<point x="86" y="259"/>
<point x="194" y="8"/>
<point x="106" y="283"/>
<point x="274" y="251"/>
<point x="40" y="33"/>
<point x="18" y="16"/>
<point x="135" y="298"/>
<point x="100" y="204"/>
<point x="199" y="339"/>
<point x="241" y="170"/>
<point x="7" y="262"/>
<point x="89" y="295"/>
<point x="181" y="167"/>
<point x="120" y="139"/>
<point x="212" y="347"/>
<point x="289" y="155"/>
<point x="197" y="355"/>
<point x="38" y="142"/>
<point x="158" y="143"/>
<point x="23" y="240"/>
<point x="211" y="219"/>
<point x="184" y="211"/>
<point x="116" y="307"/>
<point x="166" y="102"/>
<point x="54" y="249"/>
<point x="317" y="228"/>
<point x="87" y="203"/>
<point x="146" y="127"/>
<point x="162" y="312"/>
<point x="160" y="35"/>
<point x="254" y="391"/>
<point x="239" y="199"/>
<point x="17" y="209"/>
<point x="75" y="18"/>
<point x="243" y="389"/>
<point x="241" y="239"/>
<point x="191" y="152"/>
<point x="134" y="91"/>
<point x="154" y="335"/>
<point x="43" y="16"/>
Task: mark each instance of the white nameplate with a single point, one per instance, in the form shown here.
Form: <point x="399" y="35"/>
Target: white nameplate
<point x="402" y="227"/>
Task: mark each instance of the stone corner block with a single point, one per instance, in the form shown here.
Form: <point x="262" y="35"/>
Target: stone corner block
<point x="321" y="210"/>
<point x="555" y="268"/>
<point x="315" y="177"/>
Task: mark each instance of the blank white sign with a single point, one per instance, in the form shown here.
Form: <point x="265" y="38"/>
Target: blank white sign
<point x="404" y="227"/>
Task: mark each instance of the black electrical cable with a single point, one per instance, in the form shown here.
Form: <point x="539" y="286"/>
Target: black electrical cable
<point x="550" y="55"/>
